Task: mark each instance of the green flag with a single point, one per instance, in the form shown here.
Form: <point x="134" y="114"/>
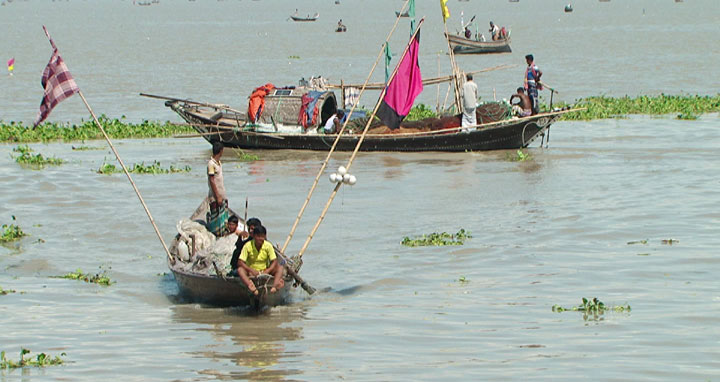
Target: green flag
<point x="388" y="57"/>
<point x="411" y="9"/>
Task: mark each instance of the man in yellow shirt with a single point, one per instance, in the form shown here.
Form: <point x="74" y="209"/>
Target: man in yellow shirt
<point x="258" y="257"/>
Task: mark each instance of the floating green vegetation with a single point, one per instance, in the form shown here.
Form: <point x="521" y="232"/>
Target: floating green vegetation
<point x="34" y="160"/>
<point x="519" y="156"/>
<point x="3" y="292"/>
<point x="463" y="280"/>
<point x="419" y="112"/>
<point x="142" y="168"/>
<point x="101" y="278"/>
<point x="438" y="239"/>
<point x="40" y="360"/>
<point x="294" y="57"/>
<point x="246" y="157"/>
<point x="601" y="107"/>
<point x="116" y="128"/>
<point x="86" y="148"/>
<point x="638" y="242"/>
<point x="670" y="241"/>
<point x="11" y="232"/>
<point x="592" y="306"/>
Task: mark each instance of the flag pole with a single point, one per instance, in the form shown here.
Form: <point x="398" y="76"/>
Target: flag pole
<point x="147" y="211"/>
<point x="342" y="130"/>
<point x="357" y="146"/>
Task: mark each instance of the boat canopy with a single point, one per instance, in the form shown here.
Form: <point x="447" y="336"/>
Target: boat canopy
<point x="284" y="105"/>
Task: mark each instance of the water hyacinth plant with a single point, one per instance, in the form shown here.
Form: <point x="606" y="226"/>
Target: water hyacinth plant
<point x="519" y="156"/>
<point x="601" y="107"/>
<point x="3" y="292"/>
<point x="115" y="128"/>
<point x="437" y="239"/>
<point x="11" y="232"/>
<point x="592" y="307"/>
<point x="37" y="160"/>
<point x="40" y="360"/>
<point x="142" y="168"/>
<point x="101" y="278"/>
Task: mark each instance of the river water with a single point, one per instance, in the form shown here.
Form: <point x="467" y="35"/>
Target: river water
<point x="549" y="230"/>
<point x="219" y="51"/>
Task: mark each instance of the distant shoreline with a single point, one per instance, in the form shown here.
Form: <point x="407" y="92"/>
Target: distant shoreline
<point x="596" y="107"/>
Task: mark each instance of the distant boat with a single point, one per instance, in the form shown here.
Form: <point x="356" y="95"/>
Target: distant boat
<point x="568" y="8"/>
<point x="308" y="18"/>
<point x="513" y="1"/>
<point x="337" y="2"/>
<point x="404" y="14"/>
<point x="462" y="45"/>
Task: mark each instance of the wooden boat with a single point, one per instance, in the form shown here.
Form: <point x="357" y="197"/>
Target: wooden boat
<point x="462" y="45"/>
<point x="219" y="289"/>
<point x="404" y="14"/>
<point x="217" y="124"/>
<point x="308" y="18"/>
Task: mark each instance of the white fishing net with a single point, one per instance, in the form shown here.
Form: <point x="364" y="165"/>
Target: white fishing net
<point x="208" y="248"/>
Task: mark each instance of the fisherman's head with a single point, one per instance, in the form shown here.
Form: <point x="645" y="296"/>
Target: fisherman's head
<point x="520" y="90"/>
<point x="217" y="149"/>
<point x="340" y="114"/>
<point x="529" y="59"/>
<point x="259" y="236"/>
<point x="232" y="224"/>
<point x="469" y="77"/>
<point x="252" y="223"/>
<point x="491" y="24"/>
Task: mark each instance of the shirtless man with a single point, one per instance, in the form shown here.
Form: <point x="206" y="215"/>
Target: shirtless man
<point x="524" y="107"/>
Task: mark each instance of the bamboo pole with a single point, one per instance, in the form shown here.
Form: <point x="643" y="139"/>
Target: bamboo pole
<point x="342" y="129"/>
<point x="215" y="105"/>
<point x="357" y="146"/>
<point x="426" y="81"/>
<point x="147" y="211"/>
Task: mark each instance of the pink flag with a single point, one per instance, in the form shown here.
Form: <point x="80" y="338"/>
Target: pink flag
<point x="57" y="82"/>
<point x="404" y="87"/>
<point x="11" y="62"/>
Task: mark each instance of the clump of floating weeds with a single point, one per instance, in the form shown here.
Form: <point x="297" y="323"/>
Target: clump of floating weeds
<point x="116" y="128"/>
<point x="438" y="239"/>
<point x="670" y="241"/>
<point x="592" y="307"/>
<point x="601" y="107"/>
<point x="11" y="232"/>
<point x="40" y="360"/>
<point x="519" y="156"/>
<point x="463" y="280"/>
<point x="3" y="292"/>
<point x="638" y="242"/>
<point x="294" y="57"/>
<point x="39" y="160"/>
<point x="142" y="168"/>
<point x="101" y="278"/>
<point x="246" y="157"/>
<point x="86" y="148"/>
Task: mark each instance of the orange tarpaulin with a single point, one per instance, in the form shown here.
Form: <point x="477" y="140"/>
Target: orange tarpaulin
<point x="257" y="101"/>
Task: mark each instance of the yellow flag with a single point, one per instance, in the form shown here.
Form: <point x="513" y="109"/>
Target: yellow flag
<point x="445" y="10"/>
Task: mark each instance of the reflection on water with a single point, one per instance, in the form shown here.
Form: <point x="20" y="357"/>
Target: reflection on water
<point x="255" y="342"/>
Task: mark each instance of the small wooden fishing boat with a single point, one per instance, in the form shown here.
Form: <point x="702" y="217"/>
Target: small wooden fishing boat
<point x="404" y="14"/>
<point x="304" y="19"/>
<point x="462" y="45"/>
<point x="216" y="288"/>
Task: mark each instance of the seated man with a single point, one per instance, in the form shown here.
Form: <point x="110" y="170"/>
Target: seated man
<point x="243" y="238"/>
<point x="524" y="107"/>
<point x="258" y="257"/>
<point x="334" y="123"/>
<point x="494" y="31"/>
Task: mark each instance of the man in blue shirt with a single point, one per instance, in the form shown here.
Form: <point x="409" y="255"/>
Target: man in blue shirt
<point x="532" y="82"/>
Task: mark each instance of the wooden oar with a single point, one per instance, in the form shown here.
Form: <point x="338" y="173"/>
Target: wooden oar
<point x="307" y="287"/>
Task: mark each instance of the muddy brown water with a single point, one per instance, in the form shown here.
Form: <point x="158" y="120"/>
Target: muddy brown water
<point x="546" y="231"/>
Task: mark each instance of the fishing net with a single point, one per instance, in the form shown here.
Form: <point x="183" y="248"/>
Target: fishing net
<point x="208" y="248"/>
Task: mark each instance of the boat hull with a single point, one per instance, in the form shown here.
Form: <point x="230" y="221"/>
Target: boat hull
<point x="214" y="290"/>
<point x="508" y="134"/>
<point x="461" y="45"/>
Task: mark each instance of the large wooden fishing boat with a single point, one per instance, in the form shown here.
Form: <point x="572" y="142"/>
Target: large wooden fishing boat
<point x="217" y="124"/>
<point x="462" y="45"/>
<point x="212" y="286"/>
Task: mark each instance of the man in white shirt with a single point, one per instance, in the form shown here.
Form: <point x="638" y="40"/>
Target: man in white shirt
<point x="469" y="103"/>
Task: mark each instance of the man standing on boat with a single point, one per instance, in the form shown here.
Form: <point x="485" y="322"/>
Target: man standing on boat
<point x="470" y="97"/>
<point x="258" y="257"/>
<point x="218" y="215"/>
<point x="532" y="82"/>
<point x="494" y="31"/>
